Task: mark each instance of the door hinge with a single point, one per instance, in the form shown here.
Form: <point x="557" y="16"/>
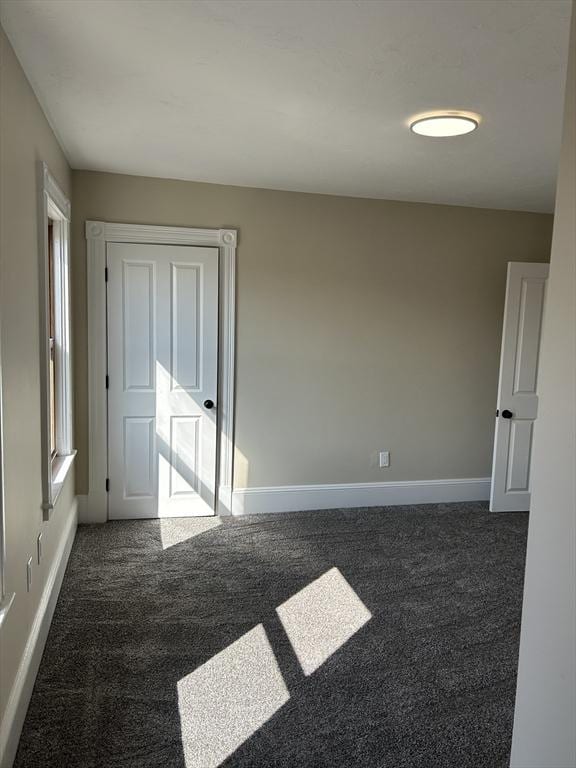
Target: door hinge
<point x="106" y="274"/>
<point x="497" y="413"/>
<point x="107" y="485"/>
<point x="107" y="381"/>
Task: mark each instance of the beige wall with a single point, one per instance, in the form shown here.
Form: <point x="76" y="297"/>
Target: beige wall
<point x="25" y="139"/>
<point x="545" y="718"/>
<point x="362" y="325"/>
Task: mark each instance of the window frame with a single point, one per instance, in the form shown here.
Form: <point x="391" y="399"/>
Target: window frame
<point x="55" y="281"/>
<point x="6" y="599"/>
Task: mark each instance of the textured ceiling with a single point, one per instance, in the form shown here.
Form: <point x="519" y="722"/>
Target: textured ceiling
<point x="308" y="95"/>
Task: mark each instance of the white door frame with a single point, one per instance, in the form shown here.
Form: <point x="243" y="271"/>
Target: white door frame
<point x="98" y="234"/>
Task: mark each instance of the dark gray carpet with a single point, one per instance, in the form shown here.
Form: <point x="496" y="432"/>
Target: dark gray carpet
<point x="427" y="682"/>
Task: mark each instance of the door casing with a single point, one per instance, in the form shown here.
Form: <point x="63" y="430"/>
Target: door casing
<point x="98" y="235"/>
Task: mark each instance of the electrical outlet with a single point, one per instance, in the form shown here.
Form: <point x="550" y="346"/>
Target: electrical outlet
<point x="28" y="574"/>
<point x="384" y="459"/>
<point x="39" y="548"/>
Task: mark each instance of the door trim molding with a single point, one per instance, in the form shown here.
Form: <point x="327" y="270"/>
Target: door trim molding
<point x="254" y="501"/>
<point x="98" y="234"/>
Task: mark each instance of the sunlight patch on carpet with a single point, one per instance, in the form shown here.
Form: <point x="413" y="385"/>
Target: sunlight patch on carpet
<point x="227" y="699"/>
<point x="176" y="530"/>
<point x="321" y="617"/>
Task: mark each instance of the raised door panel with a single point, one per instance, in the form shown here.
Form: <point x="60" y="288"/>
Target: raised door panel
<point x="519" y="449"/>
<point x="528" y="336"/>
<point x="138" y="289"/>
<point x="185" y="455"/>
<point x="139" y="457"/>
<point x="186" y="326"/>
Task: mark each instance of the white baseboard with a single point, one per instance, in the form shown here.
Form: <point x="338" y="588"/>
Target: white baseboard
<point x="254" y="501"/>
<point x="19" y="698"/>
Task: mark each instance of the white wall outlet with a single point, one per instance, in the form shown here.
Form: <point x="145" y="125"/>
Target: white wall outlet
<point x="384" y="458"/>
<point x="28" y="574"/>
<point x="39" y="548"/>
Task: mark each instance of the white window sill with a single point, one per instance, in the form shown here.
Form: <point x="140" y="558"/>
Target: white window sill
<point x="61" y="466"/>
<point x="5" y="604"/>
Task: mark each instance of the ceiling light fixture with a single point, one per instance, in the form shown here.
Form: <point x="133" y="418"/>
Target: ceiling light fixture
<point x="444" y="124"/>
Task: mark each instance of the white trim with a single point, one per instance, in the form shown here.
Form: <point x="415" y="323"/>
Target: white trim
<point x="98" y="234"/>
<point x="60" y="468"/>
<point x="56" y="206"/>
<point x="6" y="600"/>
<point x="95" y="508"/>
<point x="5" y="605"/>
<point x="53" y="191"/>
<point x="21" y="692"/>
<point x="254" y="501"/>
<point x="226" y="375"/>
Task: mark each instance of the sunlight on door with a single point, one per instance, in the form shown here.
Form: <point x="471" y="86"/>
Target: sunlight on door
<point x="162" y="303"/>
<point x="182" y="463"/>
<point x="230" y="697"/>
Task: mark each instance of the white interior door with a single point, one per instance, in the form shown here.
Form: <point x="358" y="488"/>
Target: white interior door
<point x="162" y="367"/>
<point x="517" y="405"/>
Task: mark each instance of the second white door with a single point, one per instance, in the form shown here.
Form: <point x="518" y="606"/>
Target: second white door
<point x="517" y="406"/>
<point x="163" y="367"/>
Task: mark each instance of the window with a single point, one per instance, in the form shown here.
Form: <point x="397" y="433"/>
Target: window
<point x="58" y="453"/>
<point x="51" y="339"/>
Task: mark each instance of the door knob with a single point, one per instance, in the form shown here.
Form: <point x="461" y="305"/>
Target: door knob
<point x="209" y="404"/>
<point x="507" y="414"/>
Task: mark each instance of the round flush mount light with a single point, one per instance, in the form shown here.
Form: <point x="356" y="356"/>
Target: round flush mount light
<point x="444" y="124"/>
